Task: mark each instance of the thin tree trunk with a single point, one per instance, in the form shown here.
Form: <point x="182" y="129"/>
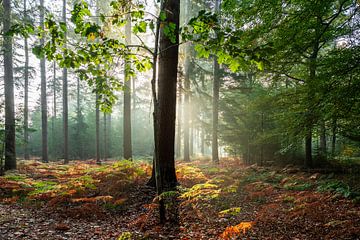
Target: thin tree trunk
<point x="97" y="110"/>
<point x="26" y="91"/>
<point x="262" y="144"/>
<point x="133" y="110"/>
<point x="202" y="80"/>
<point x="44" y="124"/>
<point x="105" y="138"/>
<point x="109" y="136"/>
<point x="156" y="178"/>
<point x="97" y="129"/>
<point x="192" y="136"/>
<point x="79" y="121"/>
<point x="127" y="100"/>
<point x="323" y="150"/>
<point x="187" y="107"/>
<point x="308" y="149"/>
<point x="333" y="138"/>
<point x="10" y="153"/>
<point x="179" y="119"/>
<point x="215" y="113"/>
<point x="202" y="142"/>
<point x="54" y="111"/>
<point x="65" y="101"/>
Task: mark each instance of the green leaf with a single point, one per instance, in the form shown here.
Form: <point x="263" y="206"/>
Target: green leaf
<point x="162" y="16"/>
<point x="38" y="51"/>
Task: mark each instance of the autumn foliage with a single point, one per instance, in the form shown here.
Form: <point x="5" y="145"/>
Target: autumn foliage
<point x="226" y="201"/>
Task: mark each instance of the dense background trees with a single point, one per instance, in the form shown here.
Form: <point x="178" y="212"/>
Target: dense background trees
<point x="288" y="82"/>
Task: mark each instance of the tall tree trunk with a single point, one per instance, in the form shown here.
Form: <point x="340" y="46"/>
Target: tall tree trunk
<point x="310" y="96"/>
<point x="192" y="136"/>
<point x="54" y="111"/>
<point x="323" y="150"/>
<point x="127" y="99"/>
<point x="262" y="144"/>
<point x="166" y="101"/>
<point x="133" y="99"/>
<point x="179" y="119"/>
<point x="26" y="91"/>
<point x="333" y="137"/>
<point x="97" y="130"/>
<point x="109" y="141"/>
<point x="44" y="124"/>
<point x="65" y="101"/>
<point x="202" y="146"/>
<point x="79" y="121"/>
<point x="215" y="113"/>
<point x="187" y="114"/>
<point x="165" y="71"/>
<point x="105" y="137"/>
<point x="10" y="153"/>
<point x="97" y="110"/>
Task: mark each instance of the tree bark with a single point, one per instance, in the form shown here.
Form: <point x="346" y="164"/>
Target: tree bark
<point x="79" y="121"/>
<point x="179" y="120"/>
<point x="127" y="100"/>
<point x="65" y="100"/>
<point x="333" y="138"/>
<point x="44" y="124"/>
<point x="109" y="136"/>
<point x="310" y="96"/>
<point x="166" y="112"/>
<point x="323" y="150"/>
<point x="10" y="153"/>
<point x="26" y="91"/>
<point x="105" y="137"/>
<point x="97" y="130"/>
<point x="54" y="111"/>
<point x="215" y="113"/>
<point x="187" y="113"/>
<point x="202" y="146"/>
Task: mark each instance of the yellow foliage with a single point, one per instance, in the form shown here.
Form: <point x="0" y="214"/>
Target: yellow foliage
<point x="91" y="36"/>
<point x="231" y="211"/>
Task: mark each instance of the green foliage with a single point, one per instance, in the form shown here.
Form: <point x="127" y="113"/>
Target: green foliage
<point x="298" y="186"/>
<point x="170" y="32"/>
<point x="168" y="195"/>
<point x="336" y="187"/>
<point x="15" y="177"/>
<point x="23" y="29"/>
<point x="43" y="187"/>
<point x="96" y="52"/>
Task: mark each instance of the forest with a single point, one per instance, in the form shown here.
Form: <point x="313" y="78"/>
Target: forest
<point x="169" y="119"/>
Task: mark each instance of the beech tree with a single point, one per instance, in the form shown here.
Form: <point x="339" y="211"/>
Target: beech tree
<point x="26" y="89"/>
<point x="127" y="140"/>
<point x="44" y="118"/>
<point x="65" y="98"/>
<point x="10" y="153"/>
<point x="165" y="108"/>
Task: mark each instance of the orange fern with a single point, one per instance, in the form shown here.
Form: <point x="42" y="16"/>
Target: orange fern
<point x="233" y="231"/>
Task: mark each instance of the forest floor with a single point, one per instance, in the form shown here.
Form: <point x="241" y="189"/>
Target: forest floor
<point x="83" y="200"/>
